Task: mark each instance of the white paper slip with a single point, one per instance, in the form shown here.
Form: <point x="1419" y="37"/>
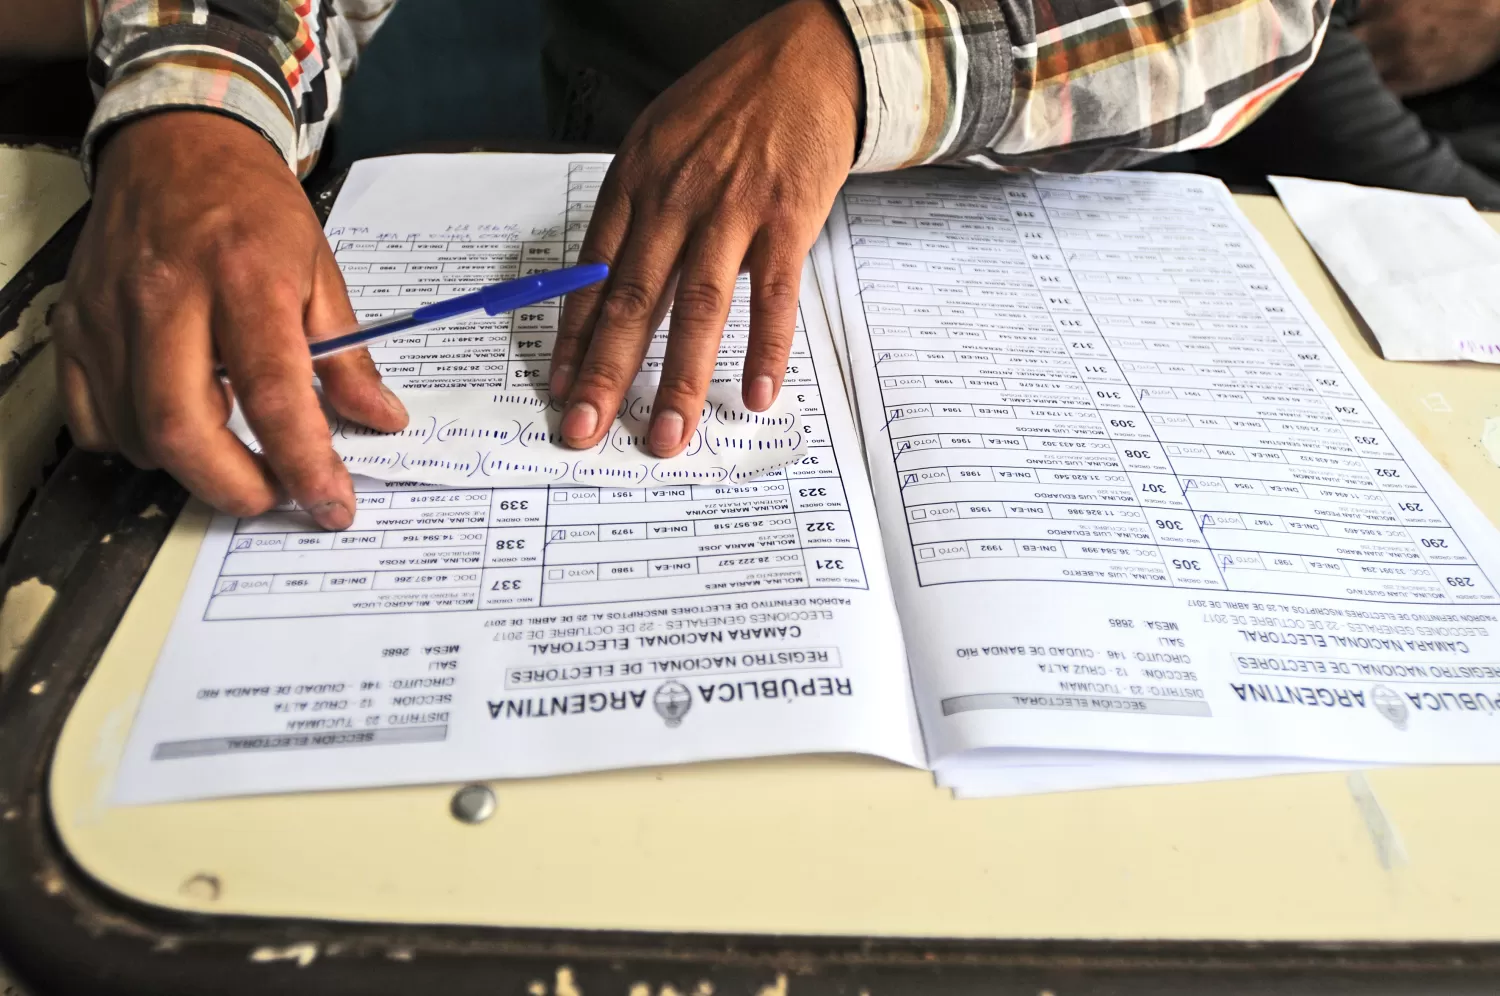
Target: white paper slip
<point x="1423" y="271"/>
<point x="499" y="438"/>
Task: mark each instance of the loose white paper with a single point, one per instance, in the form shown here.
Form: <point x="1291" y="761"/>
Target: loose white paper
<point x="1423" y="271"/>
<point x="496" y="438"/>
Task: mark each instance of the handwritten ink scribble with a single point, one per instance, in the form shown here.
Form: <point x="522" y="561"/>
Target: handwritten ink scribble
<point x="469" y="436"/>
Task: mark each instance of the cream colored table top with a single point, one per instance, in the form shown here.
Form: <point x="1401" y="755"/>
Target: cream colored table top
<point x="39" y="190"/>
<point x="831" y="845"/>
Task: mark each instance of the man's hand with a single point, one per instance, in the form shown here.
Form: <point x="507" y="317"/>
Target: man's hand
<point x="1426" y="45"/>
<point x="200" y="244"/>
<point x="736" y="165"/>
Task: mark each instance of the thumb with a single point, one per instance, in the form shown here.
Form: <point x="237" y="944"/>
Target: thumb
<point x="351" y="384"/>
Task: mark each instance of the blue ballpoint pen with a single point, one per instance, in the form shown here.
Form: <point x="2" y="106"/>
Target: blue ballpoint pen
<point x="495" y="299"/>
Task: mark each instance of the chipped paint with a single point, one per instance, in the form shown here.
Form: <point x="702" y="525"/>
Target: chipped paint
<point x="26" y="603"/>
<point x="38" y="688"/>
<point x="1389" y="849"/>
<point x="31" y="411"/>
<point x="31" y="328"/>
<point x="151" y="511"/>
<point x="777" y="988"/>
<point x="536" y="988"/>
<point x="8" y="985"/>
<point x="564" y="985"/>
<point x="106" y="539"/>
<point x="401" y="954"/>
<point x="304" y="954"/>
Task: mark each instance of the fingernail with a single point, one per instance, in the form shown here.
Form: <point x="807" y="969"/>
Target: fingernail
<point x="759" y="394"/>
<point x="391" y="401"/>
<point x="666" y="432"/>
<point x="562" y="379"/>
<point x="333" y="515"/>
<point x="580" y="422"/>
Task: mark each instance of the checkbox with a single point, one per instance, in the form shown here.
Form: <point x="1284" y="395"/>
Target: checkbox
<point x="555" y="574"/>
<point x="926" y="553"/>
<point x="919" y="513"/>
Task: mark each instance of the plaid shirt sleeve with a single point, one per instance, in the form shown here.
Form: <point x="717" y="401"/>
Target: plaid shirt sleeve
<point x="277" y="65"/>
<point x="1070" y="85"/>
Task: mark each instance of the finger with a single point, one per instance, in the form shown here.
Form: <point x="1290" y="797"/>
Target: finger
<point x="659" y="315"/>
<point x="705" y="291"/>
<point x="79" y="405"/>
<point x="608" y="227"/>
<point x="95" y="342"/>
<point x="180" y="408"/>
<point x="78" y="402"/>
<point x="622" y="332"/>
<point x="351" y="383"/>
<point x="664" y="305"/>
<point x="775" y="279"/>
<point x="261" y="339"/>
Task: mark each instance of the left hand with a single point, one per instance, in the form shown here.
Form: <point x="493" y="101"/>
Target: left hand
<point x="1426" y="45"/>
<point x="735" y="166"/>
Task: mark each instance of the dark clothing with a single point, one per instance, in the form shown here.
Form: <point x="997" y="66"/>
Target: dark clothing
<point x="1340" y="122"/>
<point x="605" y="60"/>
<point x="1468" y="116"/>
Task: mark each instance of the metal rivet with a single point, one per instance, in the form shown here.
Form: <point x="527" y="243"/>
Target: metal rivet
<point x="473" y="804"/>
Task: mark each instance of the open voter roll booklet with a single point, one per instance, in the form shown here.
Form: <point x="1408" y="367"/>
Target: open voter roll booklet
<point x="1084" y="495"/>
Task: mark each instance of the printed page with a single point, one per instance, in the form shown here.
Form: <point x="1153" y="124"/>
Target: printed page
<point x="469" y="633"/>
<point x="1134" y="496"/>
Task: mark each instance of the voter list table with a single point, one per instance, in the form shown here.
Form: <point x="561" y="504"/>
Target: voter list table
<point x="1107" y="404"/>
<point x="418" y="548"/>
<point x="423" y="549"/>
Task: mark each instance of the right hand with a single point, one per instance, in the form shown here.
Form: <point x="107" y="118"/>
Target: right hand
<point x="200" y="244"/>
